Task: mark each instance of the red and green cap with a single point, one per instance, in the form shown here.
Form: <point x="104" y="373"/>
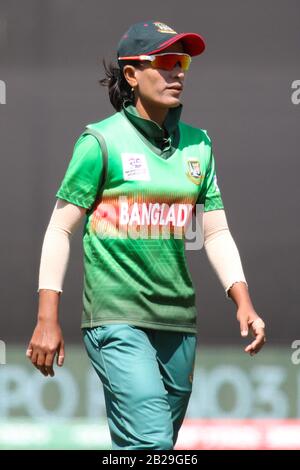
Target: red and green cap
<point x="152" y="37"/>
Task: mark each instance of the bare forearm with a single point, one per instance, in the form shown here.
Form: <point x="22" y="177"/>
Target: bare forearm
<point x="240" y="295"/>
<point x="48" y="305"/>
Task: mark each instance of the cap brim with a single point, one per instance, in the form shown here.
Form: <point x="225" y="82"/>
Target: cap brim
<point x="193" y="44"/>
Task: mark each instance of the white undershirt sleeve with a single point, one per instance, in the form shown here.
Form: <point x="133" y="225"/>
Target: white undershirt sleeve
<point x="221" y="249"/>
<point x="64" y="221"/>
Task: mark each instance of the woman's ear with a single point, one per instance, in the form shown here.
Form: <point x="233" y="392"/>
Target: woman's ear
<point x="130" y="75"/>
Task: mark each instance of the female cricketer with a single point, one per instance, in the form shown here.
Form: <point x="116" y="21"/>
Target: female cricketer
<point x="136" y="177"/>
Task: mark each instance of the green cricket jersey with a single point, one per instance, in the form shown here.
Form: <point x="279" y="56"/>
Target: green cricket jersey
<point x="135" y="269"/>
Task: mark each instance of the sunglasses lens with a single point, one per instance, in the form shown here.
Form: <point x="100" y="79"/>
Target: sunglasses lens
<point x="169" y="61"/>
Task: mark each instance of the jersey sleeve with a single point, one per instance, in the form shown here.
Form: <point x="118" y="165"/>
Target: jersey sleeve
<point x="84" y="173"/>
<point x="210" y="195"/>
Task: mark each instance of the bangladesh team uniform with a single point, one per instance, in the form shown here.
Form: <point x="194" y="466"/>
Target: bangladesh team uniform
<point x="140" y="183"/>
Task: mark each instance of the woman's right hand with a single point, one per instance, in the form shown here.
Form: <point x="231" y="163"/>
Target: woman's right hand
<point x="47" y="339"/>
<point x="46" y="342"/>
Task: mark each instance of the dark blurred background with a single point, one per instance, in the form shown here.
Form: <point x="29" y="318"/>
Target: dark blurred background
<point x="239" y="90"/>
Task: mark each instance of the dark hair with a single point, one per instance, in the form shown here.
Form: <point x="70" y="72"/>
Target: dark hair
<point x="119" y="89"/>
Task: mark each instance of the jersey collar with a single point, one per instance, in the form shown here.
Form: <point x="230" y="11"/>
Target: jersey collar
<point x="150" y="129"/>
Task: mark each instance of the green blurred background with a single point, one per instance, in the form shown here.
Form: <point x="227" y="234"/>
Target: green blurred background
<point x="68" y="411"/>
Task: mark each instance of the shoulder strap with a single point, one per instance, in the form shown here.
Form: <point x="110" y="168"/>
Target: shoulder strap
<point x="103" y="147"/>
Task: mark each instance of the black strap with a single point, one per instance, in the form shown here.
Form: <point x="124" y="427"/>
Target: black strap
<point x="104" y="153"/>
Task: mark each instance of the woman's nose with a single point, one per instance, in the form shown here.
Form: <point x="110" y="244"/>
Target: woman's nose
<point x="178" y="71"/>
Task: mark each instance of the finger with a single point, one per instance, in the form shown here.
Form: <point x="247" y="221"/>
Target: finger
<point x="258" y="327"/>
<point x="244" y="327"/>
<point x="256" y="345"/>
<point x="258" y="323"/>
<point x="250" y="349"/>
<point x="34" y="357"/>
<point x="259" y="333"/>
<point x="49" y="364"/>
<point x="41" y="363"/>
<point x="61" y="355"/>
<point x="42" y="370"/>
<point x="37" y="367"/>
<point x="261" y="339"/>
<point x="29" y="351"/>
<point x="258" y="348"/>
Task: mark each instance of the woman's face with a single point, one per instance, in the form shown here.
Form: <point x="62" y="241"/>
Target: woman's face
<point x="157" y="87"/>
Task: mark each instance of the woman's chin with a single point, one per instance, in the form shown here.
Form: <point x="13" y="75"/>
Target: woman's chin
<point x="172" y="101"/>
<point x="175" y="103"/>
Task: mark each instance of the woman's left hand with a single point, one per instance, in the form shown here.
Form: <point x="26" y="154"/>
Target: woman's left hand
<point x="249" y="320"/>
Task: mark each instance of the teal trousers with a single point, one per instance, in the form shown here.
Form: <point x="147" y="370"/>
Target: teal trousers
<point x="147" y="380"/>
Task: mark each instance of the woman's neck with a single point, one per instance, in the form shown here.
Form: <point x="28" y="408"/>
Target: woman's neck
<point x="156" y="114"/>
